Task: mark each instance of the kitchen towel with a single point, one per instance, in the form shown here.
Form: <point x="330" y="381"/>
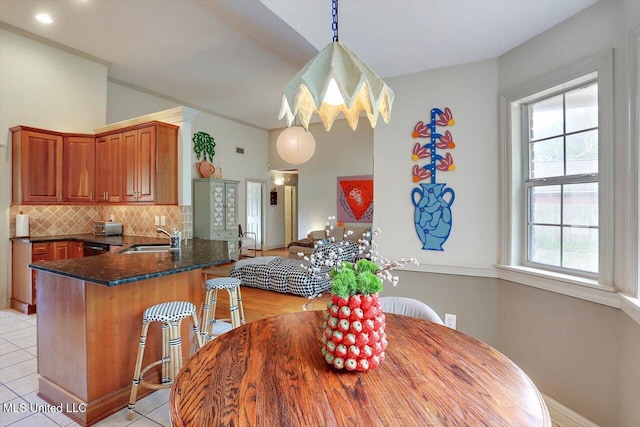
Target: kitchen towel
<point x="22" y="225"/>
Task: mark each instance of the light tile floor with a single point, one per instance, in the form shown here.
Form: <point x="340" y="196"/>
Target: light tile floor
<point x="19" y="383"/>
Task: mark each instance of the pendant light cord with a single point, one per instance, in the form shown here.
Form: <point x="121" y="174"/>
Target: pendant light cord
<point x="334" y="14"/>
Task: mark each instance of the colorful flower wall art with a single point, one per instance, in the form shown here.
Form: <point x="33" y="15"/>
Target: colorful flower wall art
<point x="431" y="200"/>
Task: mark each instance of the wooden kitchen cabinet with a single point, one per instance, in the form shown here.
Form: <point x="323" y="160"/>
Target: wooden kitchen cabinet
<point x="60" y="250"/>
<point x="109" y="170"/>
<point x="23" y="279"/>
<point x="136" y="164"/>
<point x="149" y="163"/>
<point x="79" y="169"/>
<point x="139" y="164"/>
<point x="36" y="165"/>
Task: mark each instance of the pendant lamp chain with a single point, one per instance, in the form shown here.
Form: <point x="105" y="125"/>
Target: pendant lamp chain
<point x="334" y="24"/>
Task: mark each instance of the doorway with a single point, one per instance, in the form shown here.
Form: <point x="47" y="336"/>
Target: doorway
<point x="290" y="213"/>
<point x="255" y="208"/>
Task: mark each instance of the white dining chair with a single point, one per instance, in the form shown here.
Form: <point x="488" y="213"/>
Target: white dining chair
<point x="410" y="307"/>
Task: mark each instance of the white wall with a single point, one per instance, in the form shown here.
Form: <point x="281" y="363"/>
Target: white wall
<point x="341" y="152"/>
<point x="44" y="87"/>
<point x="470" y="92"/>
<point x="125" y="102"/>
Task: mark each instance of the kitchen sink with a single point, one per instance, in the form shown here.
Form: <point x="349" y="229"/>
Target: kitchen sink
<point x="146" y="249"/>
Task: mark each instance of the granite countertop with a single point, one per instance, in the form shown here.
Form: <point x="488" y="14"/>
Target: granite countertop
<point x="116" y="268"/>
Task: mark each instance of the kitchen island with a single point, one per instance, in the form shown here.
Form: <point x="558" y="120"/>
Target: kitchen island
<point x="90" y="316"/>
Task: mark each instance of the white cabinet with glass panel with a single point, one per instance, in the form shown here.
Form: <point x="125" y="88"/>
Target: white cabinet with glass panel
<point x="215" y="211"/>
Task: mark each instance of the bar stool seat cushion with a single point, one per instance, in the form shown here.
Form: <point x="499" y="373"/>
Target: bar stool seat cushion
<point x="222" y="283"/>
<point x="169" y="311"/>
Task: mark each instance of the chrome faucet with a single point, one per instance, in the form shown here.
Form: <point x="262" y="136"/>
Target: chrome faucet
<point x="160" y="230"/>
<point x="174" y="238"/>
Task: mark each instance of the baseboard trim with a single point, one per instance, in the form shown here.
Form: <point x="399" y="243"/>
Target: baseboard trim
<point x="561" y="416"/>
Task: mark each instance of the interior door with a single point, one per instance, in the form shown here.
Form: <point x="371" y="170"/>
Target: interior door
<point x="254" y="210"/>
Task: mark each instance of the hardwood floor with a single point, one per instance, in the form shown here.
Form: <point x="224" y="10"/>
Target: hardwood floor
<point x="259" y="303"/>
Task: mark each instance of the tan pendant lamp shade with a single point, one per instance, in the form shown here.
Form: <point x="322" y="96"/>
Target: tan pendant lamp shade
<point x="295" y="145"/>
<point x="351" y="85"/>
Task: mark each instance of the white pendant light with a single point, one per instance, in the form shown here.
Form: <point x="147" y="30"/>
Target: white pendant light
<point x="295" y="145"/>
<point x="336" y="81"/>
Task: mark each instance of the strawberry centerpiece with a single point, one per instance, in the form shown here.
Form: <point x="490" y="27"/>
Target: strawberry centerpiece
<point x="353" y="332"/>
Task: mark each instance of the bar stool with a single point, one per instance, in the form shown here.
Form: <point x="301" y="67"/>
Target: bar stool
<point x="236" y="310"/>
<point x="170" y="314"/>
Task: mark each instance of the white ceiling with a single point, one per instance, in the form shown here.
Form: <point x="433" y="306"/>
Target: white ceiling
<point x="233" y="57"/>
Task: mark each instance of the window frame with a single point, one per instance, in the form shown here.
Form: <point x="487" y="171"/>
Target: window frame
<point x="529" y="183"/>
<point x="513" y="170"/>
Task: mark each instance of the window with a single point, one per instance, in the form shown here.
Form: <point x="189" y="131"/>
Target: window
<point x="561" y="183"/>
<point x="557" y="181"/>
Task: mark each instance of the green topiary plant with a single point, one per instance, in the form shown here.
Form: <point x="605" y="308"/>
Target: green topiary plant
<point x="204" y="145"/>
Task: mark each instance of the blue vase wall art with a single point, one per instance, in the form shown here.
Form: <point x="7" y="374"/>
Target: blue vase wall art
<point x="432" y="200"/>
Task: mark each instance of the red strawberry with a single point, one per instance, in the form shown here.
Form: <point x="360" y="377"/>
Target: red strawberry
<point x="344" y="325"/>
<point x="374" y="336"/>
<point x="329" y="358"/>
<point x="362" y="339"/>
<point x="328" y="332"/>
<point x="377" y="348"/>
<point x="344" y="312"/>
<point x="331" y="347"/>
<point x="384" y="343"/>
<point x="350" y="364"/>
<point x="333" y="310"/>
<point x="343" y="301"/>
<point x="356" y="327"/>
<point x="382" y="356"/>
<point x="356" y="314"/>
<point x="379" y="320"/>
<point x="332" y="322"/>
<point x="365" y="351"/>
<point x="334" y="299"/>
<point x="363" y="365"/>
<point x="355" y="301"/>
<point x="374" y="361"/>
<point x="371" y="312"/>
<point x="341" y="350"/>
<point x="375" y="299"/>
<point x="367" y="325"/>
<point x="353" y="351"/>
<point x="349" y="339"/>
<point x="367" y="300"/>
<point x="336" y="338"/>
<point x="338" y="363"/>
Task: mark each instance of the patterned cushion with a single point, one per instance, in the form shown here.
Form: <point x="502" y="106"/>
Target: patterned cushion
<point x="287" y="275"/>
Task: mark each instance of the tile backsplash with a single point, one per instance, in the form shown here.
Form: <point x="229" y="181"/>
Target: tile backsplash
<point x="46" y="220"/>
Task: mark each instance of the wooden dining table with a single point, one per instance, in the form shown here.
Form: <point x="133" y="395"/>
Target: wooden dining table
<point x="271" y="372"/>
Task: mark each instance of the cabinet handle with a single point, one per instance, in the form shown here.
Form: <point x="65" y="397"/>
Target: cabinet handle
<point x="60" y="196"/>
<point x="107" y="197"/>
<point x="91" y="196"/>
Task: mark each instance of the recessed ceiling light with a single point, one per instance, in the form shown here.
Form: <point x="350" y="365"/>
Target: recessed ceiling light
<point x="45" y="18"/>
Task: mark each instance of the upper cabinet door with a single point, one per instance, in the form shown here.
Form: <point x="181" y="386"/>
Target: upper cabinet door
<point x="79" y="176"/>
<point x="140" y="164"/>
<point x="37" y="166"/>
<point x="109" y="168"/>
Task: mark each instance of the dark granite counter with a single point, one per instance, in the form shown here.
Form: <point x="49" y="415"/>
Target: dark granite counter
<point x="116" y="268"/>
